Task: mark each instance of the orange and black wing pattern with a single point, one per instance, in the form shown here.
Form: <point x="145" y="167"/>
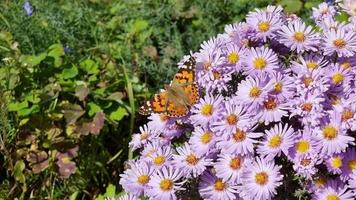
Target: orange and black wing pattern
<point x="166" y="103"/>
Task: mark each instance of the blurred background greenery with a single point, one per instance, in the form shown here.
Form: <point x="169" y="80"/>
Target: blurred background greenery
<point x="72" y="74"/>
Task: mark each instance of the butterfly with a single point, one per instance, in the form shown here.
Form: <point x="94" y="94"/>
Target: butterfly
<point x="176" y="98"/>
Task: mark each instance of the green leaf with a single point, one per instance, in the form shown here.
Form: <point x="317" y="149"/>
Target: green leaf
<point x="118" y="114"/>
<point x="56" y="51"/>
<point x="291" y="6"/>
<point x="74" y="196"/>
<point x="33" y="98"/>
<point x="89" y="66"/>
<point x="15" y="106"/>
<point x="18" y="171"/>
<point x="110" y="190"/>
<point x="70" y="72"/>
<point x="93" y="109"/>
<point x="139" y="25"/>
<point x="28" y="111"/>
<point x="32" y="60"/>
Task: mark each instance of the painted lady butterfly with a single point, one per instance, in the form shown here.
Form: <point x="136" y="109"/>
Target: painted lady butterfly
<point x="176" y="99"/>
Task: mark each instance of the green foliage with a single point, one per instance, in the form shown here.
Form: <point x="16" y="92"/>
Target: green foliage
<point x="73" y="74"/>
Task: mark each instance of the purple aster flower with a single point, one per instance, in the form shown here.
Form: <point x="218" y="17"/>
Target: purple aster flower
<point x="233" y="55"/>
<point x="159" y="122"/>
<point x="308" y="62"/>
<point x="305" y="143"/>
<point x="162" y="157"/>
<point x="334" y="163"/>
<point x="347" y="108"/>
<point x="189" y="162"/>
<point x="135" y="179"/>
<point x="229" y="167"/>
<point x="297" y="36"/>
<point x="341" y="42"/>
<point x="207" y="110"/>
<point x="28" y="8"/>
<point x="141" y="139"/>
<point x="216" y="79"/>
<point x="164" y="183"/>
<point x="311" y="81"/>
<point x="260" y="60"/>
<point x="276" y="140"/>
<point x="309" y="106"/>
<point x="323" y="11"/>
<point x="126" y="197"/>
<point x="260" y="180"/>
<point x="283" y="86"/>
<point x="213" y="188"/>
<point x="339" y="77"/>
<point x="332" y="136"/>
<point x="239" y="142"/>
<point x="349" y="164"/>
<point x="253" y="91"/>
<point x="266" y="24"/>
<point x="202" y="141"/>
<point x="272" y="110"/>
<point x="348" y="6"/>
<point x="334" y="190"/>
<point x="235" y="117"/>
<point x="305" y="165"/>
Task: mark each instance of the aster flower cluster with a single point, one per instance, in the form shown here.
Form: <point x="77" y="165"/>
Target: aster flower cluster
<point x="277" y="107"/>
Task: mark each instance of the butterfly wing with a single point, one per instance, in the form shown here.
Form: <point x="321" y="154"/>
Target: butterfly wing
<point x="158" y="104"/>
<point x="169" y="101"/>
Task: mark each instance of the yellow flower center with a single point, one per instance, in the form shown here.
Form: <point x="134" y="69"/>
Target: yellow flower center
<point x="235" y="163"/>
<point x="260" y="63"/>
<point x="166" y="184"/>
<point x="192" y="159"/>
<point x="143" y="179"/>
<point x="330" y="132"/>
<point x="347" y="114"/>
<point x="219" y="185"/>
<point x="302" y="146"/>
<point x="307" y="107"/>
<point x="263" y="26"/>
<point x="345" y="65"/>
<point x="278" y="87"/>
<point x="275" y="141"/>
<point x="255" y="92"/>
<point x="207" y="109"/>
<point x="206" y="137"/>
<point x="339" y="43"/>
<point x="270" y="104"/>
<point x="299" y="36"/>
<point x="312" y="65"/>
<point x="239" y="135"/>
<point x="332" y="197"/>
<point x="307" y="81"/>
<point x="336" y="162"/>
<point x="232" y="119"/>
<point x="159" y="160"/>
<point x="337" y="78"/>
<point x="352" y="164"/>
<point x="233" y="58"/>
<point x="261" y="178"/>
